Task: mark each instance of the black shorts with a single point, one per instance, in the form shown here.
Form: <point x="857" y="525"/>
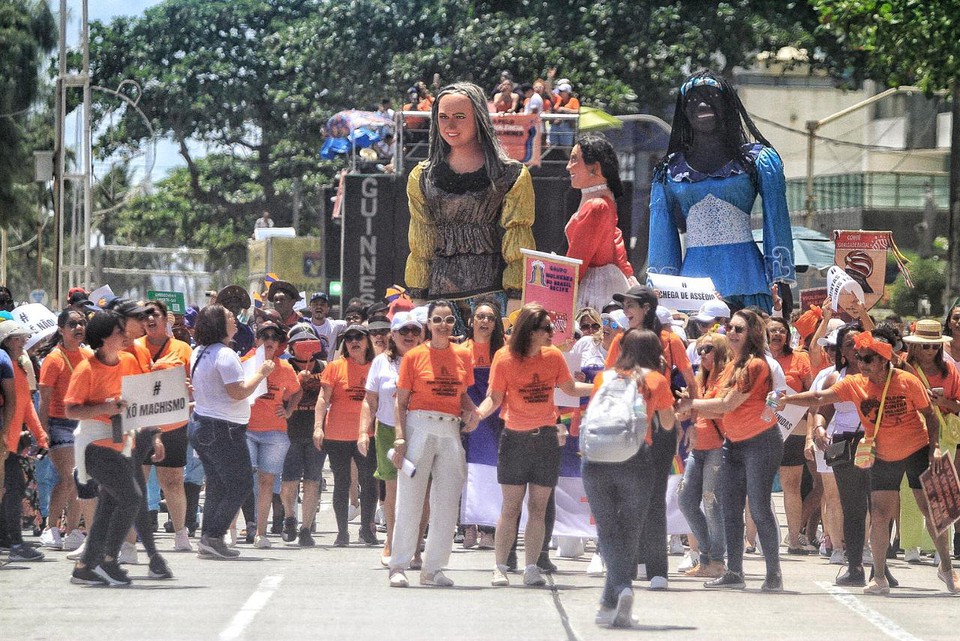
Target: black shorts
<point x="887" y="475"/>
<point x="174" y="447"/>
<point x="793" y="451"/>
<point x="303" y="461"/>
<point x="529" y="457"/>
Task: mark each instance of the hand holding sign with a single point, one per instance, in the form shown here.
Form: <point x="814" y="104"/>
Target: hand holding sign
<point x="842" y="289"/>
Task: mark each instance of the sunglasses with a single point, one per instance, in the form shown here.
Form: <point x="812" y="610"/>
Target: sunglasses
<point x="736" y="329"/>
<point x="73" y="324"/>
<point x="353" y="337"/>
<point x="593" y="327"/>
<point x="409" y="331"/>
<point x="609" y="322"/>
<point x="315" y="357"/>
<point x="927" y="346"/>
<point x="546" y="328"/>
<point x="379" y="332"/>
<point x="703" y="351"/>
<point x="270" y="336"/>
<point x="865" y="358"/>
<point x="443" y="320"/>
<point x="485" y="317"/>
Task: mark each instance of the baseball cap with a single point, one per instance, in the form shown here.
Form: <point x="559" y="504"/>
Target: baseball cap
<point x="711" y="310"/>
<point x="640" y="293"/>
<point x="377" y="323"/>
<point x="319" y="296"/>
<point x="404" y="319"/>
<point x="9" y="328"/>
<point x="565" y="87"/>
<point x="125" y="307"/>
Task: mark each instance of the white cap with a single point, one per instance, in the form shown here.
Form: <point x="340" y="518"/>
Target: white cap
<point x="566" y="86"/>
<point x="664" y="315"/>
<point x="404" y="319"/>
<point x="711" y="310"/>
<point x="420" y="314"/>
<point x="620" y="318"/>
<point x="829" y="340"/>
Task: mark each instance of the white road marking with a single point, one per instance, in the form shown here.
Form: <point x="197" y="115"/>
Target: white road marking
<point x="244" y="617"/>
<point x="882" y="623"/>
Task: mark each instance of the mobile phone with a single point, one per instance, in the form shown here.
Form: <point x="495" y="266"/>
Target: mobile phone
<point x="937" y="391"/>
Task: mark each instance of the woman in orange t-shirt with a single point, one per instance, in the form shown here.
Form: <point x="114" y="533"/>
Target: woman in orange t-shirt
<point x="701" y="471"/>
<point x="751" y="452"/>
<point x="907" y="441"/>
<point x="58" y="365"/>
<point x="267" y="431"/>
<point x="93" y="398"/>
<point x="524" y="375"/>
<point x="342" y="390"/>
<point x="432" y="407"/>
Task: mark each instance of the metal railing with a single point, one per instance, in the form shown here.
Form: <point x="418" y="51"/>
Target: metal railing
<point x="872" y="190"/>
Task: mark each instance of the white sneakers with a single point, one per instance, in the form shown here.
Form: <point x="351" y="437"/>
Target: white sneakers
<point x="50" y="538"/>
<point x="676" y="545"/>
<point x="596" y="567"/>
<point x="77" y="554"/>
<point x="261" y="542"/>
<point x="438" y="579"/>
<point x="911" y="555"/>
<point x="398" y="579"/>
<point x="690" y="561"/>
<point x="181" y="541"/>
<point x="73" y="540"/>
<point x="837" y="557"/>
<point x="353" y="511"/>
<point x="658" y="583"/>
<point x="128" y="554"/>
<point x="532" y="576"/>
<point x="620" y="616"/>
<point x="500" y="579"/>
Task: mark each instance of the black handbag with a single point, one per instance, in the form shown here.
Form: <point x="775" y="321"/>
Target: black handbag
<point x="839" y="453"/>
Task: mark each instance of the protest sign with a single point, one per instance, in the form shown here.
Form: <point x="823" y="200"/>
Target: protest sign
<point x="519" y="135"/>
<point x="680" y="293"/>
<point x="862" y="255"/>
<point x="790" y="416"/>
<point x="101" y="295"/>
<point x="551" y="280"/>
<point x="843" y="289"/>
<point x="155" y="399"/>
<point x="174" y="301"/>
<point x="37" y="319"/>
<point x="942" y="492"/>
<point x="250" y="368"/>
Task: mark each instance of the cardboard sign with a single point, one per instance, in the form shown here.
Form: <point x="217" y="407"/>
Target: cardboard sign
<point x="100" y="295"/>
<point x="174" y="301"/>
<point x="942" y="492"/>
<point x="680" y="293"/>
<point x="551" y="280"/>
<point x="815" y="296"/>
<point x="790" y="416"/>
<point x="843" y="289"/>
<point x="520" y="136"/>
<point x="36" y="318"/>
<point x="155" y="399"/>
<point x="862" y="255"/>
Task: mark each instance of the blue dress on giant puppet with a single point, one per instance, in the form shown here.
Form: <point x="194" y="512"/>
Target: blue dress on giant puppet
<point x="714" y="211"/>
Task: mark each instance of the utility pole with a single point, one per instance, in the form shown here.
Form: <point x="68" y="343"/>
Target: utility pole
<point x="953" y="213"/>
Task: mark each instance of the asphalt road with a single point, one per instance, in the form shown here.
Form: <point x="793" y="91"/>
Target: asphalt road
<point x="342" y="593"/>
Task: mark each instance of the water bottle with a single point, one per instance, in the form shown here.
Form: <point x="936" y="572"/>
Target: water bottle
<point x="770" y="406"/>
<point x="407" y="468"/>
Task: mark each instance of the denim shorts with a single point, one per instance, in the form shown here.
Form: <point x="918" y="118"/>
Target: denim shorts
<point x="531" y="456"/>
<point x="303" y="461"/>
<point x="268" y="450"/>
<point x="61" y="432"/>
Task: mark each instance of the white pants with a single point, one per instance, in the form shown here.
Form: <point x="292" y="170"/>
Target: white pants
<point x="433" y="445"/>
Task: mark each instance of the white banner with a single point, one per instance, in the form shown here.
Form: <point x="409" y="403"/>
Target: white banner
<point x="680" y="293"/>
<point x="155" y="399"/>
<point x="790" y="416"/>
<point x="36" y="318"/>
<point x="841" y="288"/>
<point x="250" y="368"/>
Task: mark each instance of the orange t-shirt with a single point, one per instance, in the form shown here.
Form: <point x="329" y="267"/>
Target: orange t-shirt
<point x="172" y="353"/>
<point x="436" y="378"/>
<point x="796" y="367"/>
<point x="709" y="430"/>
<point x="902" y="429"/>
<point x="24" y="414"/>
<point x="480" y="352"/>
<point x="55" y="372"/>
<point x="527" y="385"/>
<point x="656" y="395"/>
<point x="745" y="422"/>
<point x="346" y="381"/>
<point x="950" y="383"/>
<point x="93" y="383"/>
<point x="282" y="383"/>
<point x="674" y="352"/>
<point x="142" y="355"/>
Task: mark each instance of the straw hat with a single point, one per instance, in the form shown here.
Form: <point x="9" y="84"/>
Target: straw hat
<point x="927" y="332"/>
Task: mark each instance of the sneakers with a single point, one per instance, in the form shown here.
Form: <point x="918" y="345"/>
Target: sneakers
<point x="729" y="581"/>
<point x="277" y="526"/>
<point x="158" y="568"/>
<point x="24" y="552"/>
<point x="912" y="555"/>
<point x="709" y="570"/>
<point x="306" y="539"/>
<point x="689" y="562"/>
<point x="342" y="541"/>
<point x="214" y="548"/>
<point x="353" y="511"/>
<point x="77" y="554"/>
<point x="951" y="580"/>
<point x="837" y="557"/>
<point x="181" y="541"/>
<point x="261" y="542"/>
<point x="826" y="546"/>
<point x="289" y="534"/>
<point x="500" y="579"/>
<point x="676" y="545"/>
<point x="74" y="540"/>
<point x="368" y="537"/>
<point x="128" y="554"/>
<point x="545" y="564"/>
<point x="251" y="532"/>
<point x="112" y="573"/>
<point x="596" y="567"/>
<point x="398" y="579"/>
<point x="659" y="583"/>
<point x="469" y="537"/>
<point x="852" y="578"/>
<point x="773" y="583"/>
<point x="486" y="541"/>
<point x="437" y="579"/>
<point x="624" y="611"/>
<point x="532" y="576"/>
<point x="86" y="576"/>
<point x="50" y="538"/>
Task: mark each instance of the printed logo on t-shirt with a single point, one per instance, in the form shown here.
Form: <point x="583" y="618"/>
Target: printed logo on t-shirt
<point x="536" y="391"/>
<point x="895" y="408"/>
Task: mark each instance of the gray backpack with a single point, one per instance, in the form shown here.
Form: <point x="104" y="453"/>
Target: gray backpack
<point x="615" y="424"/>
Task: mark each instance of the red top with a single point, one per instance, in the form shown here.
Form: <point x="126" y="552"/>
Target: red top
<point x="594" y="237"/>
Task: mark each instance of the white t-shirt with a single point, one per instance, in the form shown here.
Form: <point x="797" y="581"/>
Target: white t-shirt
<point x="382" y="381"/>
<point x="592" y="354"/>
<point x="534" y="105"/>
<point x="218" y="366"/>
<point x="776" y="372"/>
<point x="329" y="332"/>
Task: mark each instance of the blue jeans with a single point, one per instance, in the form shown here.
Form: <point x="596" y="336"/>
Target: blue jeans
<point x="619" y="495"/>
<point x="45" y="474"/>
<point x="222" y="448"/>
<point x="701" y="477"/>
<point x="747" y="471"/>
<point x="652" y="548"/>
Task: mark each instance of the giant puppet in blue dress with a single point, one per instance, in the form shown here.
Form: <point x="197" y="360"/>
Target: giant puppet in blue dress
<point x="706" y="187"/>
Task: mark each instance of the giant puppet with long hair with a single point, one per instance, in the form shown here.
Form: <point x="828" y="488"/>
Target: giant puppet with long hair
<point x="717" y="163"/>
<point x="471" y="209"/>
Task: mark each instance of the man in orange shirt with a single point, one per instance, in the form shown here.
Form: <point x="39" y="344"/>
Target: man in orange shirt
<point x="562" y="131"/>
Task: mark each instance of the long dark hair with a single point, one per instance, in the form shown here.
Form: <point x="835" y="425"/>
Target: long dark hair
<point x="754" y="339"/>
<point x="946" y="321"/>
<point x="738" y="128"/>
<point x="596" y="148"/>
<point x="839" y="361"/>
<point x="49" y="344"/>
<point x="211" y="327"/>
<point x="427" y="334"/>
<point x="787" y="349"/>
<point x="498" y="337"/>
<point x="531" y="317"/>
<point x="641" y="348"/>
